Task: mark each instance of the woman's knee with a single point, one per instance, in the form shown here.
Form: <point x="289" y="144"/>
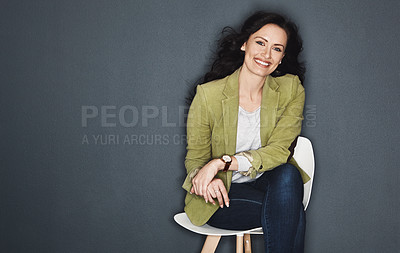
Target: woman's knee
<point x="287" y="175"/>
<point x="286" y="186"/>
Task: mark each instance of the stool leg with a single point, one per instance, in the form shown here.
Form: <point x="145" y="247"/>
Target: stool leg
<point x="247" y="243"/>
<point x="211" y="243"/>
<point x="239" y="243"/>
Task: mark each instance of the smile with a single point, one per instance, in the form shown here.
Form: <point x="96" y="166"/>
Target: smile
<point x="263" y="63"/>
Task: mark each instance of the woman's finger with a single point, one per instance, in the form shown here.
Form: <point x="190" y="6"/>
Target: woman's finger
<point x="212" y="192"/>
<point x="210" y="197"/>
<point x="207" y="196"/>
<point x="219" y="197"/>
<point x="196" y="191"/>
<point x="200" y="189"/>
<point x="194" y="186"/>
<point x="203" y="192"/>
<point x="224" y="194"/>
<point x="204" y="188"/>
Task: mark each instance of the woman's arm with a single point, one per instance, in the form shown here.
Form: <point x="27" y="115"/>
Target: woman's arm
<point x="198" y="138"/>
<point x="201" y="168"/>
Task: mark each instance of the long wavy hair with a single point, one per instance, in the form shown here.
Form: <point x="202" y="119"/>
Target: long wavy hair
<point x="229" y="57"/>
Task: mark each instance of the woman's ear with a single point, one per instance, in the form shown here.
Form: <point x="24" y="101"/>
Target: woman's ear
<point x="282" y="59"/>
<point x="243" y="48"/>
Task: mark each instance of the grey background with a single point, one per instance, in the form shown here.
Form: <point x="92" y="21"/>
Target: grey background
<point x="61" y="195"/>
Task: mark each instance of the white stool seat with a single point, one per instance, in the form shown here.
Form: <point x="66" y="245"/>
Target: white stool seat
<point x="183" y="220"/>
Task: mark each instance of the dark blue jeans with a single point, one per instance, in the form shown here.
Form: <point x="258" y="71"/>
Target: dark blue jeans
<point x="273" y="201"/>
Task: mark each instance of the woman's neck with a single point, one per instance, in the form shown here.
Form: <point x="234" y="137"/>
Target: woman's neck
<point x="250" y="90"/>
<point x="250" y="85"/>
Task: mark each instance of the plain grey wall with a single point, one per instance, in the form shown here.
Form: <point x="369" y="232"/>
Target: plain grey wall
<point x="63" y="60"/>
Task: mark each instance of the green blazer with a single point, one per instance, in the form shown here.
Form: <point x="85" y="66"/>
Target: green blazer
<point x="212" y="130"/>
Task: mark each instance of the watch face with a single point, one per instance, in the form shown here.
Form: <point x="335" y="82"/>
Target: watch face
<point x="226" y="158"/>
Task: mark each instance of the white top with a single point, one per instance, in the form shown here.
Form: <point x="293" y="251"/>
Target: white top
<point x="248" y="138"/>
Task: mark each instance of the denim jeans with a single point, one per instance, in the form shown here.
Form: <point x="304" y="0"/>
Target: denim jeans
<point x="273" y="202"/>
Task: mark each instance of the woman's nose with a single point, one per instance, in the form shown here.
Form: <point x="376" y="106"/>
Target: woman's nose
<point x="267" y="53"/>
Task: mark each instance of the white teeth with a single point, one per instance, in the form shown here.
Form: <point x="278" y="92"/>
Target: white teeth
<point x="262" y="63"/>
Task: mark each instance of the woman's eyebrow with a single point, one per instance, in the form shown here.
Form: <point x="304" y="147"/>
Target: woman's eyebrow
<point x="277" y="44"/>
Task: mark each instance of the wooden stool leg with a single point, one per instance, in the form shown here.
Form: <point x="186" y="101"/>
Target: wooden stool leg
<point x="247" y="243"/>
<point x="239" y="243"/>
<point x="211" y="243"/>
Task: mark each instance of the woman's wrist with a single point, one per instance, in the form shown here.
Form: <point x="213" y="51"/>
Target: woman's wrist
<point x="220" y="164"/>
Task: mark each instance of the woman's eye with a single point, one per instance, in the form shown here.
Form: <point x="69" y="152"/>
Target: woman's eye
<point x="277" y="49"/>
<point x="260" y="43"/>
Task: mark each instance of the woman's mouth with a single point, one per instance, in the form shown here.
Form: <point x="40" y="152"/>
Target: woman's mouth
<point x="263" y="63"/>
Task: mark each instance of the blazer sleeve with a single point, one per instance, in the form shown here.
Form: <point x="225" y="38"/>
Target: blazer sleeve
<point x="198" y="137"/>
<point x="287" y="128"/>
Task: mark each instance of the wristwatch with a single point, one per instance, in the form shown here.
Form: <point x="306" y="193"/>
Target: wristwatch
<point x="227" y="160"/>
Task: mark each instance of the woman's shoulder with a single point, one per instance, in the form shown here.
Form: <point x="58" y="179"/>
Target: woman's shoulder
<point x="215" y="84"/>
<point x="289" y="86"/>
<point x="227" y="84"/>
<point x="287" y="78"/>
<point x="289" y="82"/>
<point x="213" y="88"/>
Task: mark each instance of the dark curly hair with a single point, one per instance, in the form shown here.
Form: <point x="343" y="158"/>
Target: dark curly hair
<point x="229" y="57"/>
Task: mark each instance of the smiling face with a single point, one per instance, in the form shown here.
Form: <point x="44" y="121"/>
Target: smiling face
<point x="264" y="50"/>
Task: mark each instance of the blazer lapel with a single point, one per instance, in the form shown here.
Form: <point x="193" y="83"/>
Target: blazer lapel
<point x="230" y="108"/>
<point x="270" y="100"/>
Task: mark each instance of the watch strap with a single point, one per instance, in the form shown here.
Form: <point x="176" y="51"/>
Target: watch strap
<point x="227" y="165"/>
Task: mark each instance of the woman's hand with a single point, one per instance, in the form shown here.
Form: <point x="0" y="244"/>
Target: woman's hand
<point x="205" y="176"/>
<point x="216" y="190"/>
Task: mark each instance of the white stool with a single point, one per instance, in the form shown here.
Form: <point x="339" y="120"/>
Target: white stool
<point x="304" y="156"/>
